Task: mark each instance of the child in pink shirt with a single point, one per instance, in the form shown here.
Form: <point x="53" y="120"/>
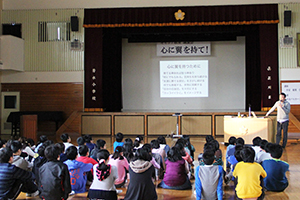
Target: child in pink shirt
<point x="118" y="160"/>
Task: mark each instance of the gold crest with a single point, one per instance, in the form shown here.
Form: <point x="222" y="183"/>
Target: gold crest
<point x="179" y="15"/>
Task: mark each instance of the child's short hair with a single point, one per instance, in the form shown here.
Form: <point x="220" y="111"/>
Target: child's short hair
<point x="161" y="140"/>
<point x="1" y="143"/>
<point x="215" y="144"/>
<point x="71" y="152"/>
<point x="256" y="141"/>
<point x="119" y="137"/>
<point x="83" y="150"/>
<point x="232" y="140"/>
<point x="16" y="146"/>
<point x="240" y="141"/>
<point x="128" y="141"/>
<point x="263" y="144"/>
<point x="268" y="146"/>
<point x="100" y="143"/>
<point x="41" y="150"/>
<point x="87" y="138"/>
<point x="237" y="152"/>
<point x="80" y="141"/>
<point x="208" y="157"/>
<point x="64" y="137"/>
<point x="248" y="154"/>
<point x="209" y="138"/>
<point x="5" y="155"/>
<point x="43" y="138"/>
<point x="154" y="144"/>
<point x="276" y="151"/>
<point x="61" y="146"/>
<point x="208" y="147"/>
<point x="147" y="147"/>
<point x="30" y="142"/>
<point x="52" y="152"/>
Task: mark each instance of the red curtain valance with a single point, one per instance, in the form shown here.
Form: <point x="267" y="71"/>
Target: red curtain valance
<point x="193" y="16"/>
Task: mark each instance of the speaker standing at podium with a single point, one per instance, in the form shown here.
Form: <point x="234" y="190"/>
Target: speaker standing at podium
<point x="283" y="110"/>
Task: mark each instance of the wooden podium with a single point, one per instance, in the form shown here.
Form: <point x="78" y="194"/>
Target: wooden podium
<point x="248" y="128"/>
<point x="28" y="126"/>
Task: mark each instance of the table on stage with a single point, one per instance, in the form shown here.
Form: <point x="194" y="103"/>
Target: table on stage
<point x="248" y="128"/>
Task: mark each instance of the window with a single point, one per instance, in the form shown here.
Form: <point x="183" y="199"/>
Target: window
<point x="53" y="31"/>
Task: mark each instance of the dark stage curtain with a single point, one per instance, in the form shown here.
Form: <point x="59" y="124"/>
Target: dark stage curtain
<point x="193" y="16"/>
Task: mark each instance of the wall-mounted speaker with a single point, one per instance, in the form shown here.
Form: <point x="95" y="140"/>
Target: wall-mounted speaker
<point x="287" y="18"/>
<point x="74" y="23"/>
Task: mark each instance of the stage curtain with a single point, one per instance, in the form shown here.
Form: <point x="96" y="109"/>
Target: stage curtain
<point x="193" y="16"/>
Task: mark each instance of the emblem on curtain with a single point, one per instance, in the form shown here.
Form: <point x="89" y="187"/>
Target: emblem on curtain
<point x="179" y="15"/>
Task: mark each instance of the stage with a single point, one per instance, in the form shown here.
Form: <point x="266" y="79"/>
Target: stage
<point x="196" y="123"/>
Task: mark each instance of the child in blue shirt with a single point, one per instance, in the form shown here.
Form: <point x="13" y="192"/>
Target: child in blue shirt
<point x="231" y="145"/>
<point x="77" y="170"/>
<point x="118" y="142"/>
<point x="89" y="142"/>
<point x="276" y="180"/>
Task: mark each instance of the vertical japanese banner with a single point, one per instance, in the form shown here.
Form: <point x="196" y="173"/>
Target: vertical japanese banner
<point x="184" y="78"/>
<point x="292" y="91"/>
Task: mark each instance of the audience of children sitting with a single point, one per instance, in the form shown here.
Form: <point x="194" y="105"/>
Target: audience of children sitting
<point x="253" y="169"/>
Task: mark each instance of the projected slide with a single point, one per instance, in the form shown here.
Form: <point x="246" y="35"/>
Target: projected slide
<point x="184" y="78"/>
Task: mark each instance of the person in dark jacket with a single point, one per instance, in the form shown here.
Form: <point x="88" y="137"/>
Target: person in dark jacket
<point x="141" y="171"/>
<point x="54" y="176"/>
<point x="14" y="180"/>
<point x="39" y="161"/>
<point x="100" y="144"/>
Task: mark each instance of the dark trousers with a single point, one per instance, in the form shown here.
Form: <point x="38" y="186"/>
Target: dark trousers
<point x="282" y="126"/>
<point x="20" y="186"/>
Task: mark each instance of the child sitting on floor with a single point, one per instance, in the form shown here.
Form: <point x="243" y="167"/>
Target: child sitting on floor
<point x="209" y="179"/>
<point x="13" y="180"/>
<point x="54" y="182"/>
<point x="77" y="171"/>
<point x="118" y="160"/>
<point x="118" y="142"/>
<point x="100" y="144"/>
<point x="103" y="186"/>
<point x="276" y="180"/>
<point x="177" y="169"/>
<point x="248" y="174"/>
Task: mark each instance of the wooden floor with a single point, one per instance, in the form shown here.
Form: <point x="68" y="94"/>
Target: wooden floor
<point x="291" y="155"/>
